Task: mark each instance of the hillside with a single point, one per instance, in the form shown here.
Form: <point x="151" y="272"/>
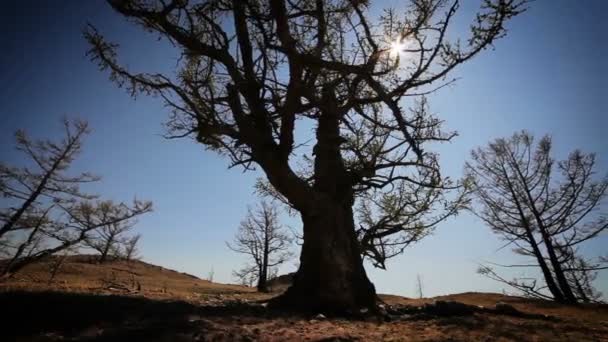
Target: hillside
<point x="140" y="301"/>
<point x="81" y="273"/>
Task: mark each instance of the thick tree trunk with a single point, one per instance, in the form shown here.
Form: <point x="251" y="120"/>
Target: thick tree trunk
<point x="262" y="281"/>
<point x="331" y="277"/>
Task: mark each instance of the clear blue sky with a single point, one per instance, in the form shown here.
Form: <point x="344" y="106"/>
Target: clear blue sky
<point x="548" y="76"/>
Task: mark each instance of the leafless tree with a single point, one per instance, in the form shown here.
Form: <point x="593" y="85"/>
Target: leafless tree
<point x="55" y="265"/>
<point x="131" y="250"/>
<point x="43" y="209"/>
<point x="210" y="275"/>
<point x="544" y="215"/>
<point x="246" y="275"/>
<point x="265" y="241"/>
<point x="253" y="71"/>
<point x="112" y="240"/>
<point x="419" y="286"/>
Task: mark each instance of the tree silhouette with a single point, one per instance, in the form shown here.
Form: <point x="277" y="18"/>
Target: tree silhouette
<point x="255" y="76"/>
<point x="112" y="240"/>
<point x="521" y="199"/>
<point x="131" y="250"/>
<point x="43" y="209"/>
<point x="263" y="238"/>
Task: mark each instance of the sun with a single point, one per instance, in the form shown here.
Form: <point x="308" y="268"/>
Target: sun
<point x="397" y="48"/>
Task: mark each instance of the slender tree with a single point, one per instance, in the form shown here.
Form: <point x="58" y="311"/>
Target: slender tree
<point x="546" y="216"/>
<point x="112" y="240"/>
<point x="47" y="180"/>
<point x="265" y="241"/>
<point x="43" y="209"/>
<point x="253" y="71"/>
<point x="131" y="250"/>
<point x="419" y="286"/>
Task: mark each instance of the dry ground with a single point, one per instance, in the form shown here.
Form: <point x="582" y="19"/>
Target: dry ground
<point x="141" y="302"/>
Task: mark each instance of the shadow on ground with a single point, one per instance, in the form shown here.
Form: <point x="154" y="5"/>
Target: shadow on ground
<point x="48" y="316"/>
<point x="68" y="316"/>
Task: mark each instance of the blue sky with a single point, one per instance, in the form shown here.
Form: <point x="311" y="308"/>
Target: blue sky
<point x="547" y="76"/>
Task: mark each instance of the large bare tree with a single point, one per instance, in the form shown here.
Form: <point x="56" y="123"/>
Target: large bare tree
<point x="256" y="76"/>
<point x="262" y="237"/>
<point x="43" y="209"/>
<point x="545" y="215"/>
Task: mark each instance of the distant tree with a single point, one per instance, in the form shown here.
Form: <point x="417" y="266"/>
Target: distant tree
<point x="419" y="286"/>
<point x="265" y="241"/>
<point x="246" y="276"/>
<point x="55" y="264"/>
<point x="43" y="209"/>
<point x="544" y="215"/>
<point x="112" y="240"/>
<point x="250" y="72"/>
<point x="131" y="250"/>
<point x="210" y="275"/>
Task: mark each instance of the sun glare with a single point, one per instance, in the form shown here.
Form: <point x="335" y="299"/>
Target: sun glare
<point x="397" y="49"/>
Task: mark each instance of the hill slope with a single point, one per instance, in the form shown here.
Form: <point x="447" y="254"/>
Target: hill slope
<point x="81" y="273"/>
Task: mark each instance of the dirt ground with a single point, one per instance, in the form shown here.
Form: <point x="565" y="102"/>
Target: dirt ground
<point x="135" y="301"/>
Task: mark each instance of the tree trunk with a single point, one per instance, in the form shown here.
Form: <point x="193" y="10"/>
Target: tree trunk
<point x="263" y="279"/>
<point x="104" y="253"/>
<point x="262" y="283"/>
<point x="331" y="277"/>
<point x="557" y="268"/>
<point x="551" y="285"/>
<point x="581" y="291"/>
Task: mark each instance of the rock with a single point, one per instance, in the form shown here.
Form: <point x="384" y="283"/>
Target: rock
<point x="382" y="309"/>
<point x="396" y="318"/>
<point x="506" y="309"/>
<point x="194" y="318"/>
<point x="320" y="316"/>
<point x="91" y="332"/>
<point x="448" y="308"/>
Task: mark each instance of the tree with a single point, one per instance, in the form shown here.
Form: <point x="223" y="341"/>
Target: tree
<point x="43" y="209"/>
<point x="264" y="239"/>
<point x="111" y="240"/>
<point x="419" y="286"/>
<point x="131" y="251"/>
<point x="546" y="216"/>
<point x="253" y="71"/>
<point x="210" y="275"/>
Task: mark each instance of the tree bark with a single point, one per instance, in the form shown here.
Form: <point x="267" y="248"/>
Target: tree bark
<point x="331" y="277"/>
